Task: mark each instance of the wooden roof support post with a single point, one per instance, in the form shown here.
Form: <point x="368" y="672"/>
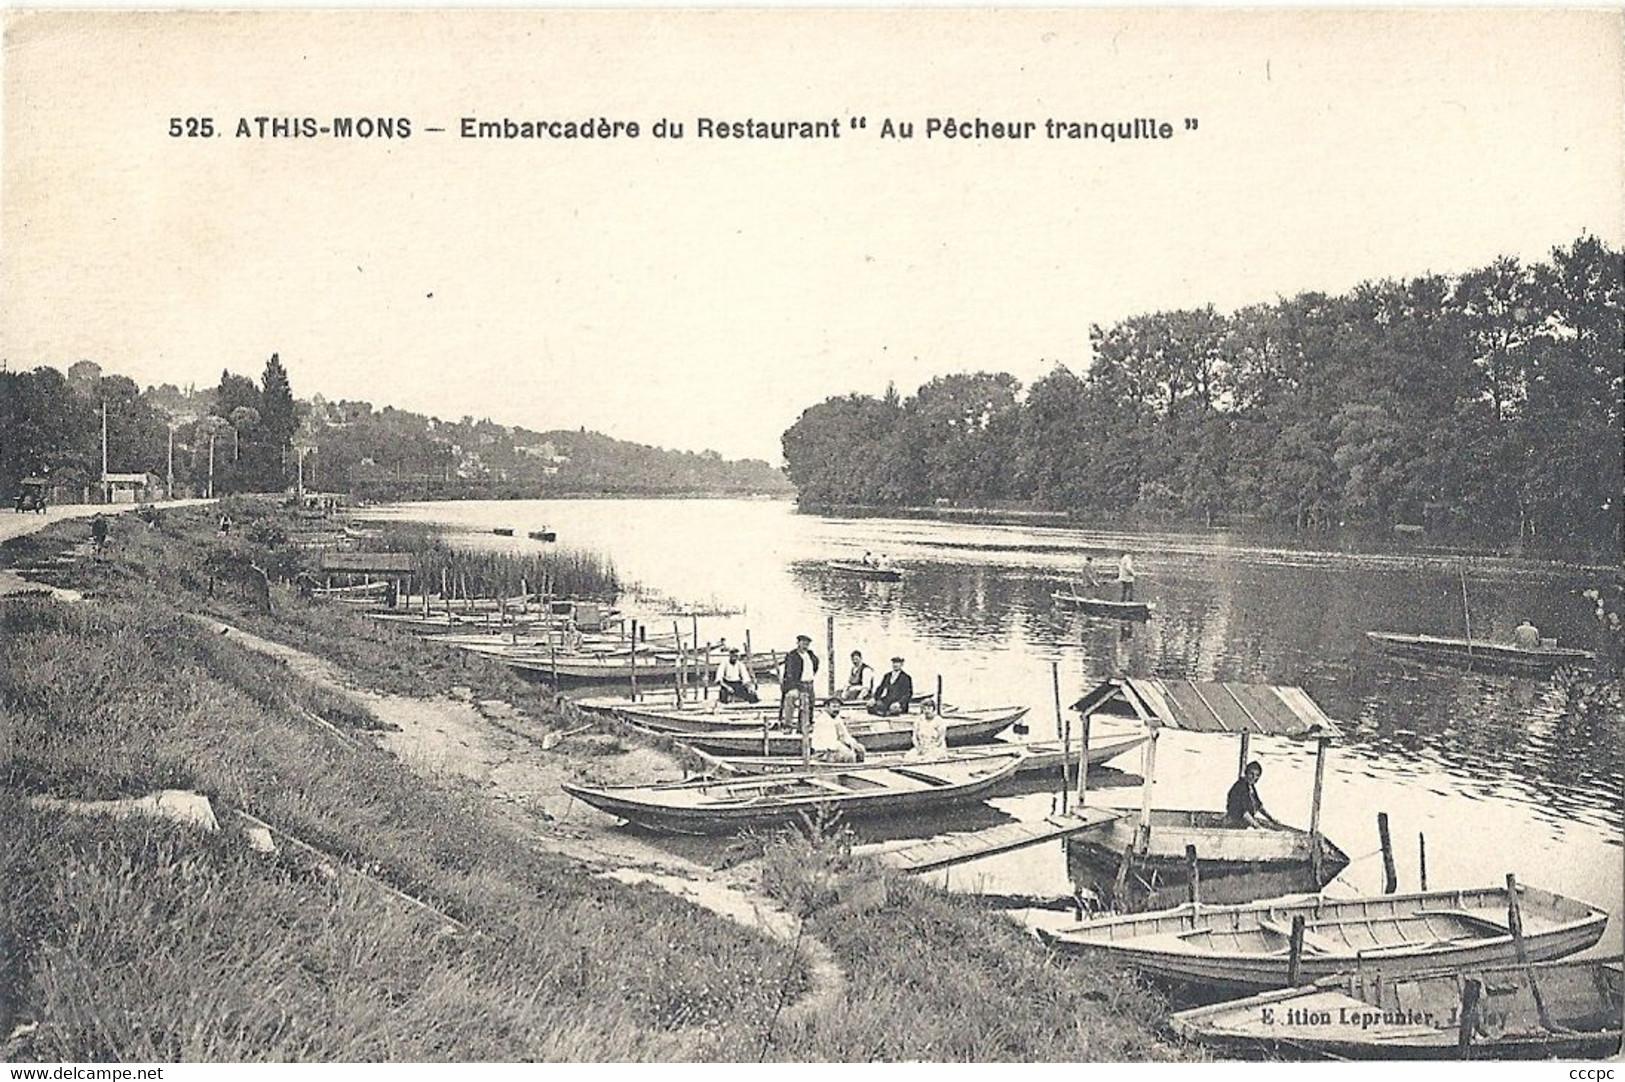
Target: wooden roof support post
<point x="1246" y="746"/>
<point x="1083" y="762"/>
<point x="1143" y="839"/>
<point x="1316" y="846"/>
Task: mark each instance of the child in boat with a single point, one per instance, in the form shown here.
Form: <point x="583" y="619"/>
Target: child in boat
<point x="1242" y="805"/>
<point x="930" y="735"/>
<point x="831" y="741"/>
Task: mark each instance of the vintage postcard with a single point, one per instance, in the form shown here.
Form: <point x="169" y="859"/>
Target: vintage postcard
<point x="828" y="535"/>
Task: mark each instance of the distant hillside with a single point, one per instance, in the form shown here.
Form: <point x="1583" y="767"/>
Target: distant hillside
<point x="250" y="435"/>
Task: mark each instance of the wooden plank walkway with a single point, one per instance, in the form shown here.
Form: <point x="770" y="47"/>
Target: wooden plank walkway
<point x="950" y="849"/>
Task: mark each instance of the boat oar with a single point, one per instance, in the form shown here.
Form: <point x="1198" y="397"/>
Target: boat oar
<point x="553" y="740"/>
<point x="1515" y="926"/>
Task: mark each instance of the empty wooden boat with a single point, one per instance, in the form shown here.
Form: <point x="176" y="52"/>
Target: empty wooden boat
<point x="367" y="593"/>
<point x="712" y="807"/>
<point x="1235" y="863"/>
<point x="1037" y="756"/>
<point x="1244" y="948"/>
<point x="862" y="570"/>
<point x="1479" y="654"/>
<point x="1100" y="606"/>
<point x="875" y="734"/>
<point x="1421" y="1016"/>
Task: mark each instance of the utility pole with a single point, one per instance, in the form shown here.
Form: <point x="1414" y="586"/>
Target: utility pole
<point x="169" y="476"/>
<point x="211" y="463"/>
<point x="107" y="495"/>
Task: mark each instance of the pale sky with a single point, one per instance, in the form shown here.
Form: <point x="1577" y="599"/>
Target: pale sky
<point x="699" y="293"/>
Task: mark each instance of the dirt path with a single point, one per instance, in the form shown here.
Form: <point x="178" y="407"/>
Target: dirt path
<point x="493" y="746"/>
<point x="16" y="524"/>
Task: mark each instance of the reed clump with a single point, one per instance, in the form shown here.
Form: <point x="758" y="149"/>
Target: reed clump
<point x="558" y="572"/>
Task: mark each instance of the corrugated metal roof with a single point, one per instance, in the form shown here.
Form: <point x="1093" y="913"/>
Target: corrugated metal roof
<point x="1211" y="706"/>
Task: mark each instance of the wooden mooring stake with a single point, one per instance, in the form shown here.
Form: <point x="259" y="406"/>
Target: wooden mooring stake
<point x="1515" y="926"/>
<point x="1422" y="858"/>
<point x="1193" y="875"/>
<point x="1470" y="992"/>
<point x="1390" y="877"/>
<point x="1294" y="961"/>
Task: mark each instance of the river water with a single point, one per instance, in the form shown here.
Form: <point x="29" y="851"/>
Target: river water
<point x="1499" y="773"/>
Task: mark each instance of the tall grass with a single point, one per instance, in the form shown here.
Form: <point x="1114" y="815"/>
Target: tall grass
<point x="563" y="572"/>
<point x="134" y="939"/>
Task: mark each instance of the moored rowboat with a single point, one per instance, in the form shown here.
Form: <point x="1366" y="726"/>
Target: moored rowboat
<point x="1244" y="947"/>
<point x="1037" y="756"/>
<point x="1419" y="1016"/>
<point x="875" y="734"/>
<point x="711" y="807"/>
<point x="1479" y="654"/>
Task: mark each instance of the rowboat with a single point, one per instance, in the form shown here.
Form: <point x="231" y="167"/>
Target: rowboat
<point x="712" y="807"/>
<point x="502" y="531"/>
<point x="1037" y="756"/>
<point x="692" y="721"/>
<point x="1234" y="863"/>
<point x="543" y="535"/>
<point x="1244" y="948"/>
<point x="1478" y="654"/>
<point x="865" y="571"/>
<point x="606" y="668"/>
<point x="1420" y="1016"/>
<point x="875" y="734"/>
<point x="1100" y="606"/>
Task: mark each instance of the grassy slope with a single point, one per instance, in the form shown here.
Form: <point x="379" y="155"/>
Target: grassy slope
<point x="567" y="967"/>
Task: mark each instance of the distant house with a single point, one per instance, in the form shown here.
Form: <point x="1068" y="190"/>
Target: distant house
<point x="132" y="487"/>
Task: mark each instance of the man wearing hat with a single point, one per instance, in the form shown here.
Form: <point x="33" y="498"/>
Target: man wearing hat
<point x="796" y="679"/>
<point x="734" y="680"/>
<point x="895" y="691"/>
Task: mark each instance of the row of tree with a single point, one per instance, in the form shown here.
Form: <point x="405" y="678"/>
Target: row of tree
<point x="1488" y="402"/>
<point x="234" y="438"/>
<point x="242" y="436"/>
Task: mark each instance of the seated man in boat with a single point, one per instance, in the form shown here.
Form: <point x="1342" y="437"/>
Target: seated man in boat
<point x="894" y="693"/>
<point x="860" y="682"/>
<point x="868" y="559"/>
<point x="735" y="682"/>
<point x="1526" y="634"/>
<point x="831" y="741"/>
<point x="883" y="562"/>
<point x="930" y="735"/>
<point x="1242" y="806"/>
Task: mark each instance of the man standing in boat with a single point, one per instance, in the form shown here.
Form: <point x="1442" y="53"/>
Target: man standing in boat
<point x="1125" y="577"/>
<point x="735" y="682"/>
<point x="1090" y="581"/>
<point x="895" y="692"/>
<point x="796" y="680"/>
<point x="860" y="682"/>
<point x="1242" y="805"/>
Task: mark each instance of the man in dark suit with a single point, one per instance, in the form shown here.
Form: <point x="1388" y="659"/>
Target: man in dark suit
<point x="895" y="691"/>
<point x="796" y="680"/>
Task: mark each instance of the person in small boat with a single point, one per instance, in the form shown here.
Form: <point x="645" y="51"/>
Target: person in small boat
<point x="883" y="562"/>
<point x="894" y="692"/>
<point x="734" y="680"/>
<point x="1242" y="805"/>
<point x="796" y="680"/>
<point x="868" y="559"/>
<point x="930" y="735"/>
<point x="860" y="681"/>
<point x="831" y="741"/>
<point x="1089" y="580"/>
<point x="1125" y="577"/>
<point x="1526" y="634"/>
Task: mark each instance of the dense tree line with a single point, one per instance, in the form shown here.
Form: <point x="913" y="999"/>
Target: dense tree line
<point x="250" y="437"/>
<point x="1488" y="401"/>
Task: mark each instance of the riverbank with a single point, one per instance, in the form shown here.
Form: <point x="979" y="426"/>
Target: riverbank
<point x="532" y="926"/>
